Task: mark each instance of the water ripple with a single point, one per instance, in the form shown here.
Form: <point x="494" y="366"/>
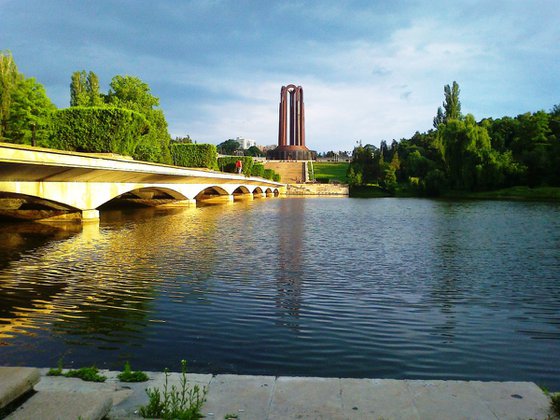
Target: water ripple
<point x="362" y="288"/>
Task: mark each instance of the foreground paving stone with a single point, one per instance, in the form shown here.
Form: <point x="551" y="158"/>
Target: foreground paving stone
<point x="445" y="400"/>
<point x="272" y="398"/>
<point x="306" y="398"/>
<point x="62" y="405"/>
<point x="248" y="397"/>
<point x="513" y="400"/>
<point x="377" y="398"/>
<point x="16" y="381"/>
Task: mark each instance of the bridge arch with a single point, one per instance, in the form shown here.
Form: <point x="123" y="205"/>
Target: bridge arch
<point x="147" y="196"/>
<point x="30" y="207"/>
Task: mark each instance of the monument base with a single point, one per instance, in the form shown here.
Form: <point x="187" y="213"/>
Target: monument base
<point x="291" y="153"/>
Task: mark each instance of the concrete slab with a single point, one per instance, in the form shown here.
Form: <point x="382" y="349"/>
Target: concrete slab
<point x="267" y="397"/>
<point x="16" y="381"/>
<point x="435" y="400"/>
<point x="513" y="400"/>
<point x="306" y="398"/>
<point x="62" y="405"/>
<point x="377" y="398"/>
<point x="248" y="397"/>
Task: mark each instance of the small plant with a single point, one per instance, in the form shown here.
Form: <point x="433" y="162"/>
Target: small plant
<point x="127" y="375"/>
<point x="184" y="403"/>
<point x="56" y="371"/>
<point x="555" y="403"/>
<point x="90" y="374"/>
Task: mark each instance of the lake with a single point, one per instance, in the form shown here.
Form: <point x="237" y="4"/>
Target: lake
<point x="379" y="288"/>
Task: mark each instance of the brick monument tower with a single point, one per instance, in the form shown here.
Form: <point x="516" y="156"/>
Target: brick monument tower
<point x="291" y="128"/>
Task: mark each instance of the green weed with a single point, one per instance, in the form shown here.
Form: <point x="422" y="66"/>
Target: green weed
<point x="90" y="374"/>
<point x="127" y="375"/>
<point x="182" y="403"/>
<point x="555" y="403"/>
<point x="56" y="371"/>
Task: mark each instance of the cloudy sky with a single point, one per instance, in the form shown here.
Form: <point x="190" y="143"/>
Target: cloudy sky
<point x="370" y="70"/>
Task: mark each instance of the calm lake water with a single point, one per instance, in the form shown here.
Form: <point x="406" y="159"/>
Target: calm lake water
<point x="381" y="288"/>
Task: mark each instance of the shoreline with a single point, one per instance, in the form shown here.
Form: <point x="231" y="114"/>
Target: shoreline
<point x="284" y="397"/>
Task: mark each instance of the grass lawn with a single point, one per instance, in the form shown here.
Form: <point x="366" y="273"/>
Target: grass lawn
<point x="334" y="170"/>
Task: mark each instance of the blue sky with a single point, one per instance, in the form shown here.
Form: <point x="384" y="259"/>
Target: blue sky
<point x="370" y="70"/>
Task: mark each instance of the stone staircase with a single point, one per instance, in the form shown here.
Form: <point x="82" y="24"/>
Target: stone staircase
<point x="290" y="172"/>
<point x="19" y="399"/>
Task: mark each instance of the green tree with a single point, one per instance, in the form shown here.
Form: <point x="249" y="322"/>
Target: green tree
<point x="131" y="93"/>
<point x="78" y="89"/>
<point x="439" y="118"/>
<point x="24" y="106"/>
<point x="84" y="89"/>
<point x="228" y="147"/>
<point x="92" y="89"/>
<point x="30" y="114"/>
<point x="9" y="80"/>
<point x="452" y="105"/>
<point x="254" y="151"/>
<point x="186" y="139"/>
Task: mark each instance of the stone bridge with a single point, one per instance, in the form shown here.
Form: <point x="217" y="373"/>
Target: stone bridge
<point x="51" y="185"/>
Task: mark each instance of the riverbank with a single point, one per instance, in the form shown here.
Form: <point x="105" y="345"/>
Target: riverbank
<point x="520" y="193"/>
<point x="512" y="193"/>
<point x="269" y="397"/>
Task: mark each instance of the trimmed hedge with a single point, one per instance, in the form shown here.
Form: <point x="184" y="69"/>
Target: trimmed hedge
<point x="227" y="164"/>
<point x="194" y="155"/>
<point x="258" y="170"/>
<point x="101" y="130"/>
<point x="268" y="174"/>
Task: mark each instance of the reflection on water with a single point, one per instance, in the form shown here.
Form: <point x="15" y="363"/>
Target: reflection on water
<point x="393" y="288"/>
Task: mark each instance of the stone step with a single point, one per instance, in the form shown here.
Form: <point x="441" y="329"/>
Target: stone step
<point x="61" y="405"/>
<point x="15" y="382"/>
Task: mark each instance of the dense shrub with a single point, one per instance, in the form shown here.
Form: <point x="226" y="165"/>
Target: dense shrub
<point x="194" y="155"/>
<point x="257" y="170"/>
<point x="100" y="130"/>
<point x="268" y="174"/>
<point x="276" y="177"/>
<point x="227" y="164"/>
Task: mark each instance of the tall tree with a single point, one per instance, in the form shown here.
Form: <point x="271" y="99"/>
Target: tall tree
<point x="78" y="89"/>
<point x="439" y="118"/>
<point x="92" y="89"/>
<point x="84" y="89"/>
<point x="9" y="79"/>
<point x="452" y="105"/>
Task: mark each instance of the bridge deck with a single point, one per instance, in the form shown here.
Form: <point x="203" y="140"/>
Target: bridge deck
<point x="82" y="182"/>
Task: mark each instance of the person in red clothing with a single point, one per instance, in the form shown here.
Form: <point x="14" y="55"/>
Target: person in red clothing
<point x="239" y="166"/>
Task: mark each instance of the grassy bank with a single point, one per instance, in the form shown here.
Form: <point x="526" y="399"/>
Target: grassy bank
<point x="334" y="171"/>
<point x="512" y="193"/>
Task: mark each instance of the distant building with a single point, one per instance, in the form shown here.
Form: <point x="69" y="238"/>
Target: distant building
<point x="245" y="143"/>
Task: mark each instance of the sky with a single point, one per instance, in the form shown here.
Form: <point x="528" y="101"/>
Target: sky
<point x="370" y="70"/>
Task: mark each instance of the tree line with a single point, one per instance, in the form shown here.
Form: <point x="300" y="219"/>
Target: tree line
<point x="462" y="154"/>
<point x="127" y="119"/>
